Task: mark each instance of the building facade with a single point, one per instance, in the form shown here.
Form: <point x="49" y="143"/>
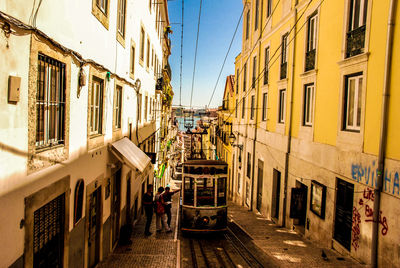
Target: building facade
<point x="81" y="117"/>
<point x="316" y="118"/>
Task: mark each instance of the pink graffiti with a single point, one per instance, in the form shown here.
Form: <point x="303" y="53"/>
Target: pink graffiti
<point x="369" y="213"/>
<point x="356" y="228"/>
<point x="369" y="194"/>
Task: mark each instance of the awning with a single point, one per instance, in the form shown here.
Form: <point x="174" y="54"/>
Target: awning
<point x="130" y="154"/>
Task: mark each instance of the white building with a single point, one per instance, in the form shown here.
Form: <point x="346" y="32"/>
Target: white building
<point x="79" y="107"/>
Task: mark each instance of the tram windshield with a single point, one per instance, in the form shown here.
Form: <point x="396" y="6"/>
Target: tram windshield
<point x="221" y="195"/>
<point x="205" y="192"/>
<point x="188" y="198"/>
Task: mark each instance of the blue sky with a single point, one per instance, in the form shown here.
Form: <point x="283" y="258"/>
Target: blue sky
<point x="218" y="23"/>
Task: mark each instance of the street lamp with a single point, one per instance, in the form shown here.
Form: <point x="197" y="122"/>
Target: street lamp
<point x="232" y="139"/>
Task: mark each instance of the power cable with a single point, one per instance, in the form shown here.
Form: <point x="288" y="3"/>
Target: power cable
<point x="195" y="53"/>
<point x="226" y="56"/>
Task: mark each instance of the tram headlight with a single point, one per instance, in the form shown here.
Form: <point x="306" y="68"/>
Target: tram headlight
<point x="205" y="220"/>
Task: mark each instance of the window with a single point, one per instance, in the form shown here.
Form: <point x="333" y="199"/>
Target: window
<point x="256" y="15"/>
<point x="266" y="65"/>
<point x="188" y="191"/>
<point x="284" y="57"/>
<point x="269" y="7"/>
<point x="248" y="171"/>
<point x="145" y="107"/>
<point x="237" y="81"/>
<point x="236" y="109"/>
<point x="139" y="96"/>
<point x="117" y="107"/>
<point x="148" y="53"/>
<point x="252" y="107"/>
<point x="311" y="43"/>
<point x="96" y="106"/>
<point x="265" y="106"/>
<point x="132" y="69"/>
<point x="247" y="24"/>
<point x="308" y="106"/>
<point x="152" y="57"/>
<point x="78" y="204"/>
<point x="205" y="192"/>
<point x="121" y="17"/>
<point x="244" y="77"/>
<point x="282" y="104"/>
<point x="356" y="28"/>
<point x="253" y="84"/>
<point x="142" y="44"/>
<point x="102" y="5"/>
<point x="50" y="102"/>
<point x="353" y="98"/>
<point x="243" y="106"/>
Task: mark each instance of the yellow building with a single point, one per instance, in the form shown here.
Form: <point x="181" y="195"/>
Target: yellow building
<point x="224" y="129"/>
<point x="315" y="84"/>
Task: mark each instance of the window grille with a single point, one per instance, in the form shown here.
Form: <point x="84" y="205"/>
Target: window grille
<point x="311" y="43"/>
<point x="50" y="102"/>
<point x="356" y="27"/>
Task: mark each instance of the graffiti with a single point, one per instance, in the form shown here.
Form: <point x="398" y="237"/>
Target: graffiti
<point x="368" y="175"/>
<point x="356" y="228"/>
<point x="368" y="195"/>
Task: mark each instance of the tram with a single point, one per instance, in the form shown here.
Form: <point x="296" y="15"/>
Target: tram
<point x="204" y="207"/>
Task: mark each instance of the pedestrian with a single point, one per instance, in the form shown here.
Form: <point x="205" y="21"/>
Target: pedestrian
<point x="161" y="217"/>
<point x="148" y="208"/>
<point x="167" y="195"/>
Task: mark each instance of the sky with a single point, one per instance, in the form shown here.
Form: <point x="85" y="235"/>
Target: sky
<point x="217" y="26"/>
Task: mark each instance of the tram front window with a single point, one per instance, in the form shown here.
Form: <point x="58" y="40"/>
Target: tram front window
<point x="188" y="198"/>
<point x="221" y="201"/>
<point x="205" y="192"/>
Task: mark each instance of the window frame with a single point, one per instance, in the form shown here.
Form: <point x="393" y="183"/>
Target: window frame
<point x="100" y="106"/>
<point x="284" y="56"/>
<point x="256" y="14"/>
<point x="269" y="8"/>
<point x="254" y="76"/>
<point x="132" y="61"/>
<point x="265" y="106"/>
<point x="308" y="104"/>
<point x="311" y="42"/>
<point x="266" y="65"/>
<point x="282" y="106"/>
<point x="244" y="77"/>
<point x="121" y="18"/>
<point x="142" y="45"/>
<point x="252" y="109"/>
<point x="357" y="102"/>
<point x="117" y="122"/>
<point x="243" y="107"/>
<point x="247" y="24"/>
<point x="102" y="8"/>
<point x="248" y="170"/>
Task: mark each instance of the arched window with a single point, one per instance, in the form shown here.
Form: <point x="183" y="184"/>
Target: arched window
<point x="78" y="200"/>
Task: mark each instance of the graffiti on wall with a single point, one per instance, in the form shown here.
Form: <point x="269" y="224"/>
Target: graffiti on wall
<point x="368" y="195"/>
<point x="368" y="174"/>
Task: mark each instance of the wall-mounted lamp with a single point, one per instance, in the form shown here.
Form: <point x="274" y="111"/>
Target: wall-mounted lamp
<point x="232" y="139"/>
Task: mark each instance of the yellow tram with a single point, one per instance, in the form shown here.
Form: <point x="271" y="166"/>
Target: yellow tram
<point x="204" y="206"/>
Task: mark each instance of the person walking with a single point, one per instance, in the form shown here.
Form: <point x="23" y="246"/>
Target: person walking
<point x="167" y="195"/>
<point x="161" y="217"/>
<point x="148" y="208"/>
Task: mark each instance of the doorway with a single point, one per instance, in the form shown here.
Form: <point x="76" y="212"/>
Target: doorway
<point x="343" y="214"/>
<point x="298" y="206"/>
<point x="115" y="206"/>
<point x="276" y="194"/>
<point x="94" y="227"/>
<point x="260" y="184"/>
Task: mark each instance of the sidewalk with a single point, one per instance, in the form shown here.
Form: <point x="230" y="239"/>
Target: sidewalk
<point x="285" y="247"/>
<point x="157" y="250"/>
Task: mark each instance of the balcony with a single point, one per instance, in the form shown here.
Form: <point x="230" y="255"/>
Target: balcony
<point x="283" y="70"/>
<point x="310" y="60"/>
<point x="355" y="42"/>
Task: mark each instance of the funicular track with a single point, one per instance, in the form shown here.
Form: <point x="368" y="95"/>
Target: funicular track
<point x="223" y="250"/>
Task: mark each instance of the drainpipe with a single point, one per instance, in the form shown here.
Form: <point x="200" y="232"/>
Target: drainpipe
<point x="383" y="133"/>
<point x="256" y="108"/>
<point x="289" y="139"/>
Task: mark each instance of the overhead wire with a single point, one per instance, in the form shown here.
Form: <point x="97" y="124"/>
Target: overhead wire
<point x="226" y="56"/>
<point x="195" y="53"/>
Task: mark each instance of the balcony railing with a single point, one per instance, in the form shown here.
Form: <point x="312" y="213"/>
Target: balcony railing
<point x="283" y="70"/>
<point x="355" y="42"/>
<point x="310" y="60"/>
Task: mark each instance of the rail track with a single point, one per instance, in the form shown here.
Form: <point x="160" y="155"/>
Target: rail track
<point x="223" y="250"/>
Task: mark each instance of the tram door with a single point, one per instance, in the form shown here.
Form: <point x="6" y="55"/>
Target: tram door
<point x="48" y="234"/>
<point x="260" y="183"/>
<point x="116" y="201"/>
<point x="94" y="227"/>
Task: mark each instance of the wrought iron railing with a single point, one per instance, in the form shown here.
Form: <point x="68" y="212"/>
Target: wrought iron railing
<point x="310" y="60"/>
<point x="283" y="70"/>
<point x="355" y="42"/>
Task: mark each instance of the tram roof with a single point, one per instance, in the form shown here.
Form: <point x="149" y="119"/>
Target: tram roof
<point x="205" y="162"/>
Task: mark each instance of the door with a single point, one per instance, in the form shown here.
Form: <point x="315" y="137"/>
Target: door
<point x="48" y="234"/>
<point x="276" y="194"/>
<point x="343" y="214"/>
<point x="128" y="200"/>
<point x="115" y="209"/>
<point x="94" y="227"/>
<point x="260" y="183"/>
<point x="298" y="206"/>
